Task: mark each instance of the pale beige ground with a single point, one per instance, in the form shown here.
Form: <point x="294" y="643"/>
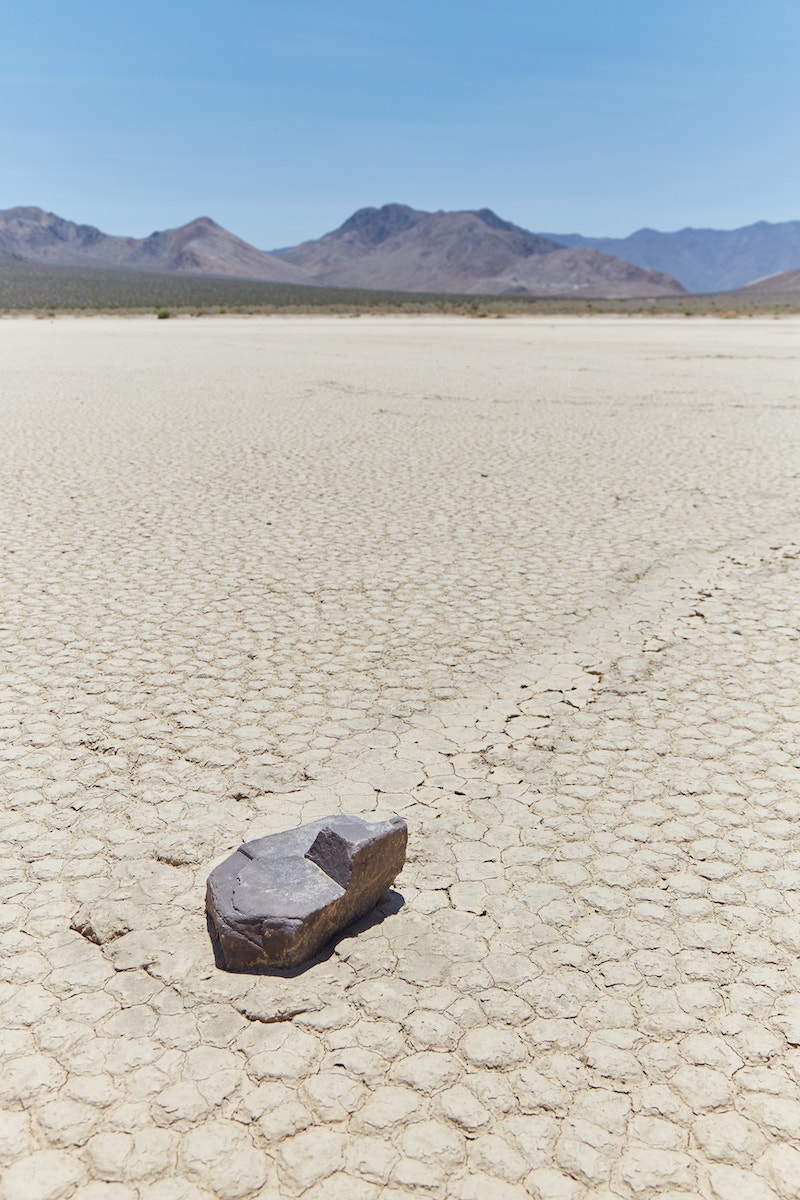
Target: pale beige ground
<point x="532" y="584"/>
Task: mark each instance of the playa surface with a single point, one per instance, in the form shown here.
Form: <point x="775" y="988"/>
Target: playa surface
<point x="531" y="584"/>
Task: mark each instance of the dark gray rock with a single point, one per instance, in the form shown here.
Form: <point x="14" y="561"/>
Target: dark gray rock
<point x="279" y="899"/>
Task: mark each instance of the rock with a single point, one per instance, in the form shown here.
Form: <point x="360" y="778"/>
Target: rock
<point x="279" y="899"/>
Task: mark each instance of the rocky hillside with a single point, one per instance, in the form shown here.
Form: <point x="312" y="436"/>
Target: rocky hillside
<point x="400" y="247"/>
<point x="200" y="248"/>
<point x="580" y="273"/>
<point x="395" y="248"/>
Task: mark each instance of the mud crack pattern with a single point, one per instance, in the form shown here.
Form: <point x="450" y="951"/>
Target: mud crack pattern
<point x="531" y="584"/>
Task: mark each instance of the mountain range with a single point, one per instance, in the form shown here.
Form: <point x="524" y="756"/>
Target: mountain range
<point x="471" y="252"/>
<point x="399" y="248"/>
<point x="394" y="247"/>
<point x="200" y="248"/>
<point x="705" y="260"/>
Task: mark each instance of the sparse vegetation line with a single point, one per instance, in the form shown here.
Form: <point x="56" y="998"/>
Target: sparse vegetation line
<point x="47" y="290"/>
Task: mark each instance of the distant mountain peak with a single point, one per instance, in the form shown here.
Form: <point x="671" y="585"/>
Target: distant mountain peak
<point x="196" y="225"/>
<point x="31" y="211"/>
<point x="405" y="249"/>
<point x="200" y="247"/>
<point x="202" y="223"/>
<point x="377" y="225"/>
<point x="494" y="222"/>
<point x="374" y="226"/>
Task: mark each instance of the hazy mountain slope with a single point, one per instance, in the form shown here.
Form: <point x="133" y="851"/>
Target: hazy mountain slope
<point x="705" y="260"/>
<point x="399" y="247"/>
<point x="200" y="248"/>
<point x="783" y="284"/>
<point x="585" y="273"/>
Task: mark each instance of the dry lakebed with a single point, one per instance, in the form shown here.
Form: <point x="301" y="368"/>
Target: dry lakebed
<point x="532" y="585"/>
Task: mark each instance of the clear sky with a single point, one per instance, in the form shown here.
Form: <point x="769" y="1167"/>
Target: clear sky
<point x="280" y="117"/>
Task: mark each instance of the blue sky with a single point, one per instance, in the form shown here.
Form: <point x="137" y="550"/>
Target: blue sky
<point x="280" y="119"/>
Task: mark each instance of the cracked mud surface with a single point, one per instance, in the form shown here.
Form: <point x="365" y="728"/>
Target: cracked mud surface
<point x="532" y="585"/>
